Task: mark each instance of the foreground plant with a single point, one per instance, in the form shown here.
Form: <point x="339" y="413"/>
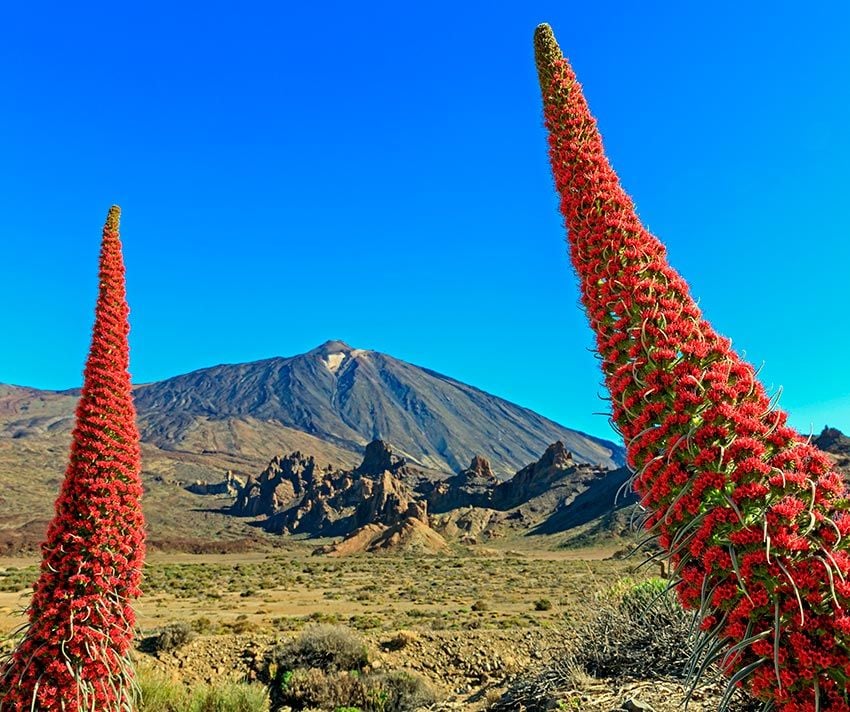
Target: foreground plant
<point x="74" y="655"/>
<point x="753" y="517"/>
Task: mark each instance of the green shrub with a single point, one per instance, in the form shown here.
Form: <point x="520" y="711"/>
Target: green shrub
<point x="326" y="647"/>
<point x="397" y="691"/>
<point x="340" y="690"/>
<point x="171" y="637"/>
<point x="160" y="693"/>
<point x="543" y="604"/>
<point x="643" y="595"/>
<point x="232" y="697"/>
<point x="321" y="689"/>
<point x="326" y="668"/>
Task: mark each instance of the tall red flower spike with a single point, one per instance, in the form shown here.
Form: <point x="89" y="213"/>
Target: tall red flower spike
<point x="753" y="517"/>
<point x="74" y="655"/>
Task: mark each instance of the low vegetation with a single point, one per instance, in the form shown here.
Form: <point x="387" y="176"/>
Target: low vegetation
<point x="639" y="632"/>
<point x="161" y="693"/>
<point x="327" y="667"/>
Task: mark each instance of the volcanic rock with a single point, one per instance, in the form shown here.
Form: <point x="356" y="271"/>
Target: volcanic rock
<point x="377" y="458"/>
<point x="409" y="535"/>
<point x="284" y="480"/>
<point x="295" y="497"/>
<point x="537" y="478"/>
<point x="837" y="444"/>
<point x="472" y="487"/>
<point x="230" y="486"/>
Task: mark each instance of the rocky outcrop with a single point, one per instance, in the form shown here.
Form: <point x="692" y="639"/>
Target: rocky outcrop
<point x="378" y="458"/>
<point x="230" y="486"/>
<point x="297" y="498"/>
<point x="537" y="478"/>
<point x="284" y="481"/>
<point x="472" y="487"/>
<point x="343" y="502"/>
<point x="549" y="496"/>
<point x="837" y="444"/>
<point x="373" y="508"/>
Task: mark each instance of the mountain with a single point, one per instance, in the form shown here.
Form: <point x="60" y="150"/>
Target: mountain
<point x="329" y="403"/>
<point x="348" y="397"/>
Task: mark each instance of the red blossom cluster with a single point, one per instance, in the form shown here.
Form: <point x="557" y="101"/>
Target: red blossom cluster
<point x="754" y="518"/>
<point x="74" y="655"/>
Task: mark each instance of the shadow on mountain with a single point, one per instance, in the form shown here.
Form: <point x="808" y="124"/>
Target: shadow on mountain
<point x="594" y="503"/>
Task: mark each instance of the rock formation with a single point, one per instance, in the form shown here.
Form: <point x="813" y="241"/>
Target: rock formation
<point x="296" y="497"/>
<point x="284" y="480"/>
<point x="472" y="487"/>
<point x="230" y="486"/>
<point x="373" y="507"/>
<point x="837" y="444"/>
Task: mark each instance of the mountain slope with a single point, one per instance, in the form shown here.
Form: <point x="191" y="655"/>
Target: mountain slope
<point x="349" y="397"/>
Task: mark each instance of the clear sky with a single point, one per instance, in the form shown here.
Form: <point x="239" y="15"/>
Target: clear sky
<point x="377" y="172"/>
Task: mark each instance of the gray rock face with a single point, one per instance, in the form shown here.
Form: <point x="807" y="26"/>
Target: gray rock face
<point x="553" y="494"/>
<point x="537" y="478"/>
<point x="472" y="487"/>
<point x="379" y="458"/>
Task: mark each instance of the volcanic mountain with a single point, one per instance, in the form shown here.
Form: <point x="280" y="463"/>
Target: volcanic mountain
<point x="330" y="403"/>
<point x="348" y="397"/>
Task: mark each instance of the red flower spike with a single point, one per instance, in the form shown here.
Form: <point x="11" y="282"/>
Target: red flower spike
<point x="75" y="652"/>
<point x="754" y="521"/>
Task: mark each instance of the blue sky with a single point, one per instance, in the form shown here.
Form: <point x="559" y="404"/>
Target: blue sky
<point x="377" y="172"/>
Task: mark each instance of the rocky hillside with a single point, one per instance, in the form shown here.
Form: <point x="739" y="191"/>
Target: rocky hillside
<point x="348" y="397"/>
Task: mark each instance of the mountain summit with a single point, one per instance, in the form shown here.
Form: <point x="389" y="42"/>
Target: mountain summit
<point x="349" y="397"/>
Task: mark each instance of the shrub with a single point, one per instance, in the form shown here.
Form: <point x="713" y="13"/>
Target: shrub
<point x="160" y="693"/>
<point x="543" y="604"/>
<point x="397" y="691"/>
<point x="315" y="688"/>
<point x="171" y="637"/>
<point x="401" y="640"/>
<point x="326" y="647"/>
<point x="639" y="631"/>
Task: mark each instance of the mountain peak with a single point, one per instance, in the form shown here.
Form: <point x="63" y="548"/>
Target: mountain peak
<point x="334" y="346"/>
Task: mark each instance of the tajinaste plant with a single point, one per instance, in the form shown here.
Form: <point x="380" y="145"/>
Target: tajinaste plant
<point x="74" y="655"/>
<point x="753" y="518"/>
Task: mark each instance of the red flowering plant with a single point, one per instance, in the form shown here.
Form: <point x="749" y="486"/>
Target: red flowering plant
<point x="753" y="518"/>
<point x="74" y="654"/>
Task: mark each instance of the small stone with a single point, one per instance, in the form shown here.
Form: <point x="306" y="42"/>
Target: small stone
<point x="637" y="706"/>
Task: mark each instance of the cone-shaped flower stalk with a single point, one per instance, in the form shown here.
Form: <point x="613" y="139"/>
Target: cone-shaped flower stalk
<point x="753" y="517"/>
<point x="74" y="655"/>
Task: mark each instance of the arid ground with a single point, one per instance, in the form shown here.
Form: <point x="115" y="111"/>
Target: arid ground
<point x="470" y="623"/>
